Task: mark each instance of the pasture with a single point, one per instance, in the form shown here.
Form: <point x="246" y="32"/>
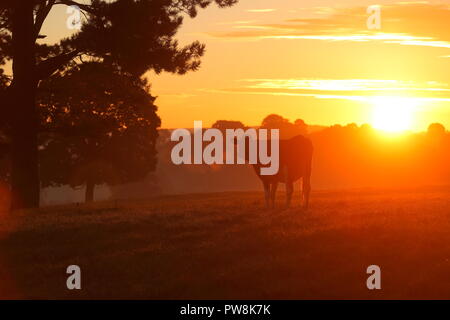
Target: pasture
<point x="226" y="246"/>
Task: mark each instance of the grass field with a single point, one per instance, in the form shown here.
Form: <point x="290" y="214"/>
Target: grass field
<point x="221" y="246"/>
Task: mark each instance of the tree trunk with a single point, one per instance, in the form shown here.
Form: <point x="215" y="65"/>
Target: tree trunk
<point x="24" y="121"/>
<point x="89" y="196"/>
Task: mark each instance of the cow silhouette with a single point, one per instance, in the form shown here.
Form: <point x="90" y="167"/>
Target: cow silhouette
<point x="295" y="164"/>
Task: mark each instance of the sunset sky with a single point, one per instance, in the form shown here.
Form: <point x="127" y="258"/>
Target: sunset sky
<point x="314" y="60"/>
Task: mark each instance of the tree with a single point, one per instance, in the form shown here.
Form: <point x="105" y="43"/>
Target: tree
<point x="287" y="129"/>
<point x="274" y="121"/>
<point x="131" y="35"/>
<point x="301" y="126"/>
<point x="436" y="130"/>
<point x="4" y="136"/>
<point x="227" y="124"/>
<point x="98" y="126"/>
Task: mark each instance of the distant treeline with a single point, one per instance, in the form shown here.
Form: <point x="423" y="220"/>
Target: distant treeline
<point x="348" y="156"/>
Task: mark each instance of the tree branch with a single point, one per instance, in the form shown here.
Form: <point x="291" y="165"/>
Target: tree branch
<point x="46" y="68"/>
<point x="85" y="7"/>
<point x="41" y="15"/>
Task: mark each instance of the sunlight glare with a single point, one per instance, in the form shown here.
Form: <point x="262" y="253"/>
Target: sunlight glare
<point x="393" y="114"/>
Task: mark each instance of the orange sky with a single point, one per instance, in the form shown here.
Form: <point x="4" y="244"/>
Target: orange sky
<point x="314" y="60"/>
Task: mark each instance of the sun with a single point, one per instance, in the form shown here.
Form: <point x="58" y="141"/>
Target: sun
<point x="393" y="114"/>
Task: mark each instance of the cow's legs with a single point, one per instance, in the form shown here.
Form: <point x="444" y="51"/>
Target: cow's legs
<point x="273" y="193"/>
<point x="267" y="193"/>
<point x="289" y="192"/>
<point x="306" y="190"/>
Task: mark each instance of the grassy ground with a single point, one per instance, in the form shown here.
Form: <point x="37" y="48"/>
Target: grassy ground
<point x="221" y="246"/>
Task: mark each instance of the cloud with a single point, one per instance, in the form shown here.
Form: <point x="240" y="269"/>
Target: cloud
<point x="346" y="89"/>
<point x="343" y="84"/>
<point x="261" y="10"/>
<point x="411" y="23"/>
<point x="238" y="22"/>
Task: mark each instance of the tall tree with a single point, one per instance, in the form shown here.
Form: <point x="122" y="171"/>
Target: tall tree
<point x="287" y="128"/>
<point x="227" y="124"/>
<point x="98" y="126"/>
<point x="131" y="35"/>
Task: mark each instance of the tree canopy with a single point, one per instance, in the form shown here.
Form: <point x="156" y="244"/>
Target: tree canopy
<point x="287" y="128"/>
<point x="98" y="126"/>
<point x="134" y="35"/>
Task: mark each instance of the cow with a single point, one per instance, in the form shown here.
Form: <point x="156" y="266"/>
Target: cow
<point x="295" y="163"/>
